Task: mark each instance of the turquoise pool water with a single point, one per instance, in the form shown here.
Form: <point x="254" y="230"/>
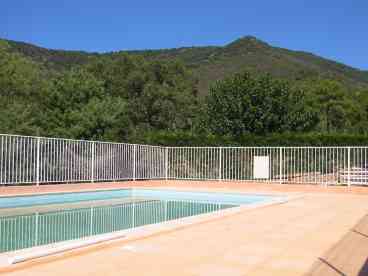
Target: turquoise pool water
<point x="138" y="207"/>
<point x="25" y="201"/>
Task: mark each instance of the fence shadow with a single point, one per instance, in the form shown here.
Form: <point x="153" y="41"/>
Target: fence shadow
<point x="364" y="269"/>
<point x="349" y="254"/>
<point x="325" y="262"/>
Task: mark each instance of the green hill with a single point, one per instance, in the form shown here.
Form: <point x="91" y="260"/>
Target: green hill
<point x="214" y="62"/>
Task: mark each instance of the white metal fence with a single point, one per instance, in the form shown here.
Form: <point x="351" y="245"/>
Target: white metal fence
<point x="46" y="160"/>
<point x="314" y="165"/>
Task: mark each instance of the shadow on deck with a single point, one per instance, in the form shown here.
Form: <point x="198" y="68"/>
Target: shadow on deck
<point x="348" y="257"/>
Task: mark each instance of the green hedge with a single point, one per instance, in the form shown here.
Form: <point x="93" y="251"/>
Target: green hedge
<point x="286" y="139"/>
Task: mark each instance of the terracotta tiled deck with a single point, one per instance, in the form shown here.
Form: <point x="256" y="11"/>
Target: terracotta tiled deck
<point x="283" y="239"/>
<point x="228" y="185"/>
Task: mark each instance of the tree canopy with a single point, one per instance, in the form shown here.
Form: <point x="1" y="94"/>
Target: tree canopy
<point x="126" y="97"/>
<point x="244" y="104"/>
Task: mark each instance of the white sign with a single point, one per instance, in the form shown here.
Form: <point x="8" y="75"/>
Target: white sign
<point x="261" y="167"/>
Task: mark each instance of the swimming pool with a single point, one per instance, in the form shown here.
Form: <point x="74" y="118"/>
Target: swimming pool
<point x="29" y="221"/>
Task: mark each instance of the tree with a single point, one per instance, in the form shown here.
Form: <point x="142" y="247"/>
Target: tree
<point x="160" y="95"/>
<point x="260" y="105"/>
<point x="359" y="114"/>
<point x="105" y="119"/>
<point x="21" y="87"/>
<point x="333" y="104"/>
<point x="70" y="92"/>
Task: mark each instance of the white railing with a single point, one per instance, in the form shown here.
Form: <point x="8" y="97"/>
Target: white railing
<point x="309" y="165"/>
<point x="25" y="159"/>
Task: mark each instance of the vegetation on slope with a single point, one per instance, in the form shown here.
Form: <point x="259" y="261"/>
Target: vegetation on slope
<point x="155" y="96"/>
<point x="214" y="63"/>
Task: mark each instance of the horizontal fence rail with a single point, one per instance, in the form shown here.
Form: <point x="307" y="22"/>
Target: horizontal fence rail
<point x="25" y="159"/>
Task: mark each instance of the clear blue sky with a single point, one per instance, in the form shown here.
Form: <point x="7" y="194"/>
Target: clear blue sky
<point x="335" y="29"/>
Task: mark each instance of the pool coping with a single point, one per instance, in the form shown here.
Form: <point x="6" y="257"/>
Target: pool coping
<point x="8" y="259"/>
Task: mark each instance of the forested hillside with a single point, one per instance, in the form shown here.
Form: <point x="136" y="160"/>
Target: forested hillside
<point x="213" y="63"/>
<point x="207" y="95"/>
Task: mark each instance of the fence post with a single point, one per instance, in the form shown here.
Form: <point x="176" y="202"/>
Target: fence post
<point x="93" y="162"/>
<point x="134" y="160"/>
<point x="220" y="164"/>
<point x="36" y="229"/>
<point x="91" y="223"/>
<point x="133" y="214"/>
<point x="38" y="162"/>
<point x="349" y="183"/>
<point x="166" y="162"/>
<point x="280" y="164"/>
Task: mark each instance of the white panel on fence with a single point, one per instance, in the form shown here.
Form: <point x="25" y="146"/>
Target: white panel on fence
<point x="261" y="168"/>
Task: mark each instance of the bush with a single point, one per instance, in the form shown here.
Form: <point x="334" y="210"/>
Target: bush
<point x="285" y="139"/>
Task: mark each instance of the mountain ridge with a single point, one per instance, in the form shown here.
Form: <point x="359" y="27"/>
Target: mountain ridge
<point x="211" y="63"/>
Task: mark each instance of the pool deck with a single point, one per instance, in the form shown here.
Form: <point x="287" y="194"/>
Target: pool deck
<point x="324" y="231"/>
